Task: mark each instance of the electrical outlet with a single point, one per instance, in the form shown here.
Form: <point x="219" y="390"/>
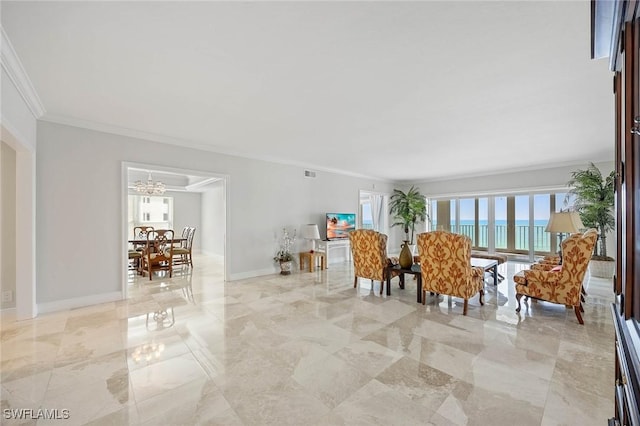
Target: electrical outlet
<point x="7" y="296"/>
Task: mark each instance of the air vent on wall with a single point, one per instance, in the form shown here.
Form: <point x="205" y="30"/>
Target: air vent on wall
<point x="309" y="173"/>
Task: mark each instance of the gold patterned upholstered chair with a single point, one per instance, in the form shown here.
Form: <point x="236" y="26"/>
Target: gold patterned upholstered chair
<point x="445" y="263"/>
<point x="562" y="284"/>
<point x="548" y="263"/>
<point x="369" y="252"/>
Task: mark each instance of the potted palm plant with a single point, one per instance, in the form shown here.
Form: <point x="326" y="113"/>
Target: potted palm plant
<point x="408" y="209"/>
<point x="595" y="203"/>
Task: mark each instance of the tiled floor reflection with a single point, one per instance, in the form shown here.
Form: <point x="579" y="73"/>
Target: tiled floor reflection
<point x="309" y="349"/>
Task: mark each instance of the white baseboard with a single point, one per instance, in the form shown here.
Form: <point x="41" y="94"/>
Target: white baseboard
<point x="79" y="302"/>
<point x="8" y="312"/>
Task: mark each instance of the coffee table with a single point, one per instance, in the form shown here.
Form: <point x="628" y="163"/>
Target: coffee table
<point x="487" y="265"/>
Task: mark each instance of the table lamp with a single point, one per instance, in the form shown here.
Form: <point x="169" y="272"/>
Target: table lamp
<point x="564" y="223"/>
<point x="310" y="232"/>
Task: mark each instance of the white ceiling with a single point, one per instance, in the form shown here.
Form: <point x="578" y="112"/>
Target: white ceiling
<point x="393" y="90"/>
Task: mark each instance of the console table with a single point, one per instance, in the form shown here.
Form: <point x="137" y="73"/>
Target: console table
<point x="327" y="246"/>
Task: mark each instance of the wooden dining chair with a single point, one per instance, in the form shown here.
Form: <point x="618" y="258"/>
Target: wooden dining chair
<point x="183" y="253"/>
<point x="158" y="253"/>
<point x="140" y="233"/>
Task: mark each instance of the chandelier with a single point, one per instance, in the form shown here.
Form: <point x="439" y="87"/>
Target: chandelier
<point x="149" y="187"/>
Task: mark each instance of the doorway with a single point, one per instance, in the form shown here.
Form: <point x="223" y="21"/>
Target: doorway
<point x="192" y="198"/>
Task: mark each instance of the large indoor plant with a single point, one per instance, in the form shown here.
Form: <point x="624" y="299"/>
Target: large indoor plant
<point x="595" y="203"/>
<point x="408" y="209"/>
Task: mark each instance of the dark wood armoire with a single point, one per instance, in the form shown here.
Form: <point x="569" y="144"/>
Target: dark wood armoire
<point x="615" y="34"/>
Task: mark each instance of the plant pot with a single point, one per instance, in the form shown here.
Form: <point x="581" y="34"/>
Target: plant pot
<point x="285" y="267"/>
<point x="602" y="268"/>
<point x="406" y="257"/>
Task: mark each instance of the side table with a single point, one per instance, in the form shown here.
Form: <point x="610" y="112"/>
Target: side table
<point x="312" y="259"/>
<point x="413" y="270"/>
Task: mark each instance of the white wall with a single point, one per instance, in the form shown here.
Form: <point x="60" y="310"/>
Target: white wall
<point x="522" y="180"/>
<point x="212" y="232"/>
<point x="8" y="222"/>
<point x="79" y="184"/>
<point x="187" y="211"/>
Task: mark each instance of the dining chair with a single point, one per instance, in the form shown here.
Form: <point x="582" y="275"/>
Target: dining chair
<point x="134" y="256"/>
<point x="158" y="253"/>
<point x="140" y="233"/>
<point x="183" y="253"/>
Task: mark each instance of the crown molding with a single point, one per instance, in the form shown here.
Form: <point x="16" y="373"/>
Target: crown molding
<point x="154" y="137"/>
<point x="19" y="77"/>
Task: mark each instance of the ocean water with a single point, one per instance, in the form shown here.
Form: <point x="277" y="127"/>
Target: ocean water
<point x="542" y="239"/>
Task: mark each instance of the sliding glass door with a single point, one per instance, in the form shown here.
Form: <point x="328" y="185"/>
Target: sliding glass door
<point x="504" y="223"/>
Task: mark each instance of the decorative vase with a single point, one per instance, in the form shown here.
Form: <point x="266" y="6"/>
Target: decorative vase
<point x="285" y="267"/>
<point x="406" y="257"/>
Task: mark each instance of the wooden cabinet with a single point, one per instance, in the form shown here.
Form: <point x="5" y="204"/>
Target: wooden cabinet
<point x="617" y="25"/>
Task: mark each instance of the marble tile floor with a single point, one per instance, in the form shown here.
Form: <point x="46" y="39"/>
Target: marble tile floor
<point x="309" y="349"/>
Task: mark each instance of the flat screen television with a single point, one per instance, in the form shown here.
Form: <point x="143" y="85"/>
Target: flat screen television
<point x="339" y="225"/>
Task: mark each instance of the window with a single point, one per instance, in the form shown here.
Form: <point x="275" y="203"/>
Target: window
<point x="483" y="222"/>
<point x="467" y="224"/>
<point x="541" y="215"/>
<point x="374" y="210"/>
<point x="433" y="215"/>
<point x="507" y="223"/>
<point x="150" y="211"/>
<point x="500" y="227"/>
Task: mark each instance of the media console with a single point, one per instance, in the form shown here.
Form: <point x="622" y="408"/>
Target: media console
<point x="327" y="246"/>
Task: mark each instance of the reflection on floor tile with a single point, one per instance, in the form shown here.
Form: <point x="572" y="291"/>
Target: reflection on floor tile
<point x="310" y="349"/>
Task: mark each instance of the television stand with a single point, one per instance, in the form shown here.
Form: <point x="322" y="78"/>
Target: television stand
<point x="326" y="246"/>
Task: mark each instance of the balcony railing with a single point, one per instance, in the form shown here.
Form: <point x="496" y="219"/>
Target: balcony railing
<point x="541" y="239"/>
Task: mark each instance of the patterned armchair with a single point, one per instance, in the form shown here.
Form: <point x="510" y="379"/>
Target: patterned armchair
<point x="445" y="262"/>
<point x="562" y="284"/>
<point x="369" y="251"/>
<point x="549" y="262"/>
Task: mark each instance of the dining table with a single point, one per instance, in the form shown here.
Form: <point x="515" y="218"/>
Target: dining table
<point x="143" y="241"/>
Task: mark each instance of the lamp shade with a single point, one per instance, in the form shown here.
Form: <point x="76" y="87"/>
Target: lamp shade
<point x="310" y="232"/>
<point x="564" y="222"/>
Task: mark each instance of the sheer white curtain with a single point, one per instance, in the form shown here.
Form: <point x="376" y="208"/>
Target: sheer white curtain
<point x="377" y="211"/>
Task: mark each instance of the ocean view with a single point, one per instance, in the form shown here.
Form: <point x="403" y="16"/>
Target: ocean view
<point x="541" y="239"/>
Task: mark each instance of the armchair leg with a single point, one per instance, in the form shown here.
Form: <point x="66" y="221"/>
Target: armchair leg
<point x="381" y="285"/>
<point x="424" y="296"/>
<point x="577" y="310"/>
<point x="481" y="298"/>
<point x="518" y="297"/>
<point x="355" y="282"/>
<point x="464" y="309"/>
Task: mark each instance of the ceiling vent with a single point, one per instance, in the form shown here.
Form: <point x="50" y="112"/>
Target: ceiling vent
<point x="309" y="173"/>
